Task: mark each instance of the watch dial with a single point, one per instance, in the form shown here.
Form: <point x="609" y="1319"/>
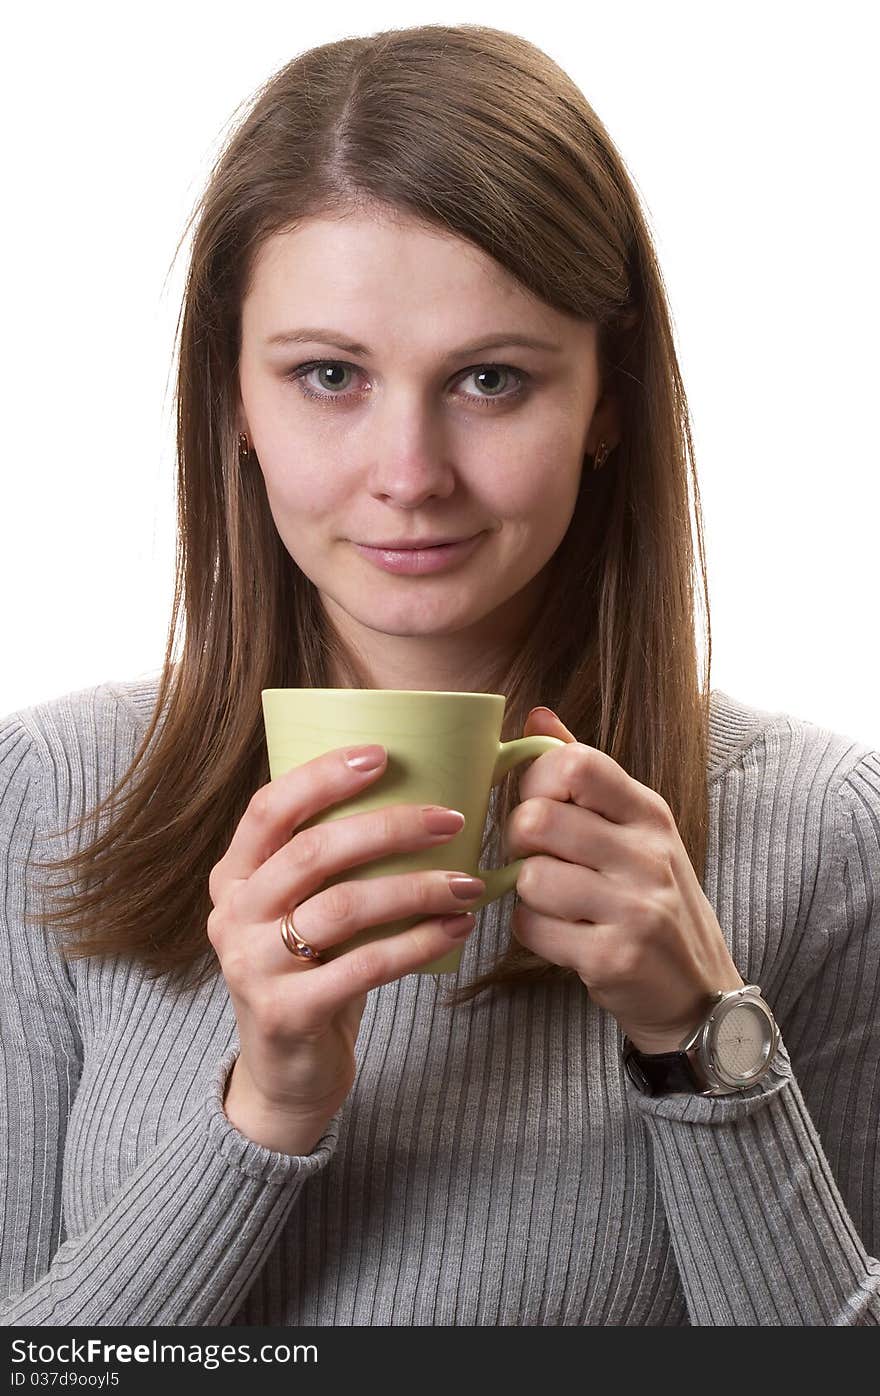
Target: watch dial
<point x="743" y="1040"/>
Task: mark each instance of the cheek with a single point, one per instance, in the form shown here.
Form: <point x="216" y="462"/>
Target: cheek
<point x="298" y="490"/>
<point x="538" y="487"/>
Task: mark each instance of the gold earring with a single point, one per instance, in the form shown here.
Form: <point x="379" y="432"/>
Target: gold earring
<point x="601" y="455"/>
<point x="244" y="449"/>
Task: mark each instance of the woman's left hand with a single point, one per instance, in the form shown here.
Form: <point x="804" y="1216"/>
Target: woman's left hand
<point x="608" y="890"/>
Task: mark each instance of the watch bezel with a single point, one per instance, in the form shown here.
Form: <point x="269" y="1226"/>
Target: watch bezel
<point x="705" y="1039"/>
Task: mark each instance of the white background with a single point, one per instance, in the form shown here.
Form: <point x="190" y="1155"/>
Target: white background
<point x="751" y="134"/>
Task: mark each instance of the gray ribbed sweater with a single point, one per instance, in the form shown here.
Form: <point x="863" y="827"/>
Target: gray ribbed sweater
<point x="491" y="1164"/>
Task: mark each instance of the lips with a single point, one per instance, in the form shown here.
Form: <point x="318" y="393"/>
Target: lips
<point x="399" y="545"/>
<point x="427" y="558"/>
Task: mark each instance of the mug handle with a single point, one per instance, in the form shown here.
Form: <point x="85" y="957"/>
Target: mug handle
<point x="501" y="880"/>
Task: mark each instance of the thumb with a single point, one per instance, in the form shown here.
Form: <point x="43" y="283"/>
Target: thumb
<point x="543" y="722"/>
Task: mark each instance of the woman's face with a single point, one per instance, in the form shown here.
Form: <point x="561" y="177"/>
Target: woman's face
<point x="408" y="433"/>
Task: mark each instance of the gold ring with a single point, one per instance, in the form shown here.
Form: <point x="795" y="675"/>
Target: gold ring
<point x="294" y="942"/>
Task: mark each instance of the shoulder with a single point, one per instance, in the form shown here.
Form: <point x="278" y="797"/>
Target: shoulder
<point x="67" y="751"/>
<point x="760" y="745"/>
<point x="858" y="842"/>
<point x="792" y="802"/>
<point x="95" y="715"/>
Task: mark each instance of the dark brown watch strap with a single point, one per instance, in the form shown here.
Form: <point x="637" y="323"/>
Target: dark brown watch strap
<point x="661" y="1073"/>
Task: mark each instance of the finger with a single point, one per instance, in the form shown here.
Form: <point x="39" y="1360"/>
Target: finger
<point x="570" y="892"/>
<point x="579" y="836"/>
<point x="551" y="937"/>
<point x="280" y="806"/>
<point x="594" y="780"/>
<point x="339" y="912"/>
<point x="298" y="869"/>
<point x="327" y="987"/>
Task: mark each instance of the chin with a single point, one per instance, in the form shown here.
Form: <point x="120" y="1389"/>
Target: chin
<point x="416" y="615"/>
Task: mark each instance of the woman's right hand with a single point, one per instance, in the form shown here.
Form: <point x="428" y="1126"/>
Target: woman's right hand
<point x="298" y="1020"/>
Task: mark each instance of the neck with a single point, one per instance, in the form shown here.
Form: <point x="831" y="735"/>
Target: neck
<point x="442" y="664"/>
<point x="474" y="660"/>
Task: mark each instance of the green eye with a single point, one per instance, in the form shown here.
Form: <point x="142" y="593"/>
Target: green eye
<point x="300" y="373"/>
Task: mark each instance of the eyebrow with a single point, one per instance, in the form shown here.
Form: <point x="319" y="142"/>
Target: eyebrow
<point x="338" y="341"/>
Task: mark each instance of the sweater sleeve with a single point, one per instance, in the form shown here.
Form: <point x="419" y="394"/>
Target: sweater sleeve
<point x="770" y="1206"/>
<point x="185" y="1237"/>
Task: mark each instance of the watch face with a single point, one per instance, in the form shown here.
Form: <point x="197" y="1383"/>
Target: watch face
<point x="743" y="1040"/>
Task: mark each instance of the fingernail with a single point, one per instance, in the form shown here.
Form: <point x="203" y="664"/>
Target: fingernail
<point x="459" y="925"/>
<point x="466" y="887"/>
<point x="365" y="758"/>
<point x="440" y="820"/>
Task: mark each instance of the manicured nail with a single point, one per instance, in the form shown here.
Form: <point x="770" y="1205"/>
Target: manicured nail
<point x="466" y="887"/>
<point x="440" y="820"/>
<point x="460" y="925"/>
<point x="365" y="758"/>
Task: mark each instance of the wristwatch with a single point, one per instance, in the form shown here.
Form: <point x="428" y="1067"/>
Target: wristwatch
<point x="728" y="1052"/>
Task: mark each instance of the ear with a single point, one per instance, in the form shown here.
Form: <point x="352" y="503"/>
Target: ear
<point x="241" y="423"/>
<point x="604" y="425"/>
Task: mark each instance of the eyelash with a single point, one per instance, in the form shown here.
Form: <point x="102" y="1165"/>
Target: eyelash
<point x="298" y="374"/>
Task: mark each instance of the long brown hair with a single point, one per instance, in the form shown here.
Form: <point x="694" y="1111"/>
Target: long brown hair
<point x="476" y="131"/>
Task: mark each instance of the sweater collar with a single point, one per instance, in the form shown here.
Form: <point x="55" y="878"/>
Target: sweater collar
<point x="733" y="725"/>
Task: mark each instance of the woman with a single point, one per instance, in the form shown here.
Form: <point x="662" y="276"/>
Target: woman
<point x="208" y="1123"/>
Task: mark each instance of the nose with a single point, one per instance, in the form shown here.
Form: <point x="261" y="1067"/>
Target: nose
<point x="409" y="455"/>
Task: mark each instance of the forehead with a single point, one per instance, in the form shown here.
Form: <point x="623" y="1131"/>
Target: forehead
<point x="368" y="274"/>
<point x="366" y="250"/>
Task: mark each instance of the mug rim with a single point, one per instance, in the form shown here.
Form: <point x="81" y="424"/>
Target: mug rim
<point x="390" y="692"/>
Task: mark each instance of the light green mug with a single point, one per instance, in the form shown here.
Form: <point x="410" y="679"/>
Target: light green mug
<point x="443" y="749"/>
